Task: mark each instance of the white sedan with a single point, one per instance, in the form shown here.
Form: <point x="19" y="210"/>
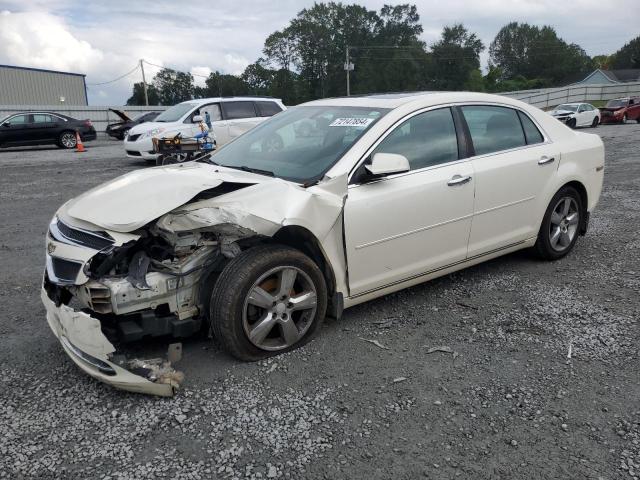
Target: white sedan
<point x="322" y="207"/>
<point x="577" y="114"/>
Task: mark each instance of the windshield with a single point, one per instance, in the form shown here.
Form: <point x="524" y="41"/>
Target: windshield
<point x="571" y="108"/>
<point x="175" y="113"/>
<point x="616" y="103"/>
<point x="299" y="144"/>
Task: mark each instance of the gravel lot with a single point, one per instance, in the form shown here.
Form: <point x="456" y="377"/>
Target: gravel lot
<point x="506" y="404"/>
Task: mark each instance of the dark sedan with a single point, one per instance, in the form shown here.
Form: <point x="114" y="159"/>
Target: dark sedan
<point x="43" y="128"/>
<point x="119" y="130"/>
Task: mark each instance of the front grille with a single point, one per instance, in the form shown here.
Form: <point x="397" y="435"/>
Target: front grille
<point x="95" y="240"/>
<point x="133" y="153"/>
<point x="65" y="269"/>
<point x="133" y="138"/>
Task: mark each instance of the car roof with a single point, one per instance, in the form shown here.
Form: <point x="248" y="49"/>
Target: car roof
<point x="44" y="112"/>
<point x="418" y="99"/>
<point x="200" y="101"/>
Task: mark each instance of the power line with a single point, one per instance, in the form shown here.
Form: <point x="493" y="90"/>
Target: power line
<point x="115" y="79"/>
<point x="176" y="70"/>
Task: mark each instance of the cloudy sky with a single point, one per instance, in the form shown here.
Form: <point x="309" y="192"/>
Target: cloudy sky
<point x="105" y="40"/>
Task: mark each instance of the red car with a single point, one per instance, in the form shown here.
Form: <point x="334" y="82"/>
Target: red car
<point x="620" y="110"/>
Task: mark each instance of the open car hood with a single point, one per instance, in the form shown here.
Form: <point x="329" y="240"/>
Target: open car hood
<point x="126" y="203"/>
<point x="121" y="114"/>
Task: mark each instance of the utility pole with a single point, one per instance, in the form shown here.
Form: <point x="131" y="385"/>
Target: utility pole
<point x="348" y="66"/>
<point x="144" y="83"/>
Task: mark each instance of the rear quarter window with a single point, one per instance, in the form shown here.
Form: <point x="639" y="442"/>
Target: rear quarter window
<point x="235" y="110"/>
<point x="531" y="132"/>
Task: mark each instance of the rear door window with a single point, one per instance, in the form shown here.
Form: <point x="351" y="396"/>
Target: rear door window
<point x="531" y="132"/>
<point x="267" y="109"/>
<point x="493" y="129"/>
<point x="235" y="110"/>
<point x="41" y="118"/>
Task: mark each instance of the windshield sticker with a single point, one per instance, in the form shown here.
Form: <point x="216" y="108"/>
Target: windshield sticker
<point x="351" y="122"/>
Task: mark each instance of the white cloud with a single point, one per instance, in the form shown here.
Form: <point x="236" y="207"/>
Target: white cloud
<point x="199" y="75"/>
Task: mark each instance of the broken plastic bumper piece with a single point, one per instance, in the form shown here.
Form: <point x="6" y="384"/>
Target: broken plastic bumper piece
<point x="82" y="339"/>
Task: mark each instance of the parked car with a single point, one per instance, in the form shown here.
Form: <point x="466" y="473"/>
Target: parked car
<point x="230" y="117"/>
<point x="43" y="128"/>
<point x="120" y="129"/>
<point x="256" y="244"/>
<point x="621" y="110"/>
<point x="577" y="114"/>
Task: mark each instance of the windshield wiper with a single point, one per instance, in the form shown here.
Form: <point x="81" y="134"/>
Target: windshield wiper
<point x="244" y="168"/>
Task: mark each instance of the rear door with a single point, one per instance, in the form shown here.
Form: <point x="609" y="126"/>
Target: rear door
<point x="43" y="127"/>
<point x="512" y="166"/>
<point x="240" y="116"/>
<point x="634" y="109"/>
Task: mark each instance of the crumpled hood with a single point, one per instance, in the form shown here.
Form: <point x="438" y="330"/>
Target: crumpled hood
<point x="126" y="203"/>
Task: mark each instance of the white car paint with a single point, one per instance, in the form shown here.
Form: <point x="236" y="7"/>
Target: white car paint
<point x="139" y="141"/>
<point x="376" y="237"/>
<point x="582" y="113"/>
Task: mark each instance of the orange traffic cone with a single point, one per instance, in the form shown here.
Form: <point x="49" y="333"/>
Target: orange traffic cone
<point x="79" y="145"/>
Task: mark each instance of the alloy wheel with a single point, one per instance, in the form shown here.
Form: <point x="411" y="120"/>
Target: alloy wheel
<point x="564" y="224"/>
<point x="68" y="140"/>
<point x="279" y="308"/>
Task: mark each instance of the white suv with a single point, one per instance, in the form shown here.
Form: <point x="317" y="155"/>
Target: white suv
<point x="230" y="117"/>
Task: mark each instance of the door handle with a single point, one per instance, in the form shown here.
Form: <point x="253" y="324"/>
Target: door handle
<point x="458" y="180"/>
<point x="544" y="160"/>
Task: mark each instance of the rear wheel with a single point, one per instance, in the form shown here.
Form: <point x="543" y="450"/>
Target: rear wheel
<point x="67" y="140"/>
<point x="560" y="225"/>
<point x="267" y="300"/>
<point x="595" y="122"/>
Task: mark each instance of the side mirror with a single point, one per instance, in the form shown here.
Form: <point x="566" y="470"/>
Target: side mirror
<point x="6" y="124"/>
<point x="197" y="119"/>
<point x="388" y="163"/>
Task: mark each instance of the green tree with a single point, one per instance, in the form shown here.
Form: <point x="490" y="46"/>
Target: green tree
<point x="628" y="56"/>
<point x="523" y="50"/>
<point x="137" y="97"/>
<point x="602" y="61"/>
<point x="173" y="86"/>
<point x="455" y="56"/>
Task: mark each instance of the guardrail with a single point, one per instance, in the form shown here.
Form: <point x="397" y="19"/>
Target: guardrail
<point x="550" y="97"/>
<point x="99" y="116"/>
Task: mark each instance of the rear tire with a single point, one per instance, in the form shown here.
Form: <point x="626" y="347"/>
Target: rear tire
<point x="561" y="225"/>
<point x="595" y="122"/>
<point x="67" y="139"/>
<point x="269" y="299"/>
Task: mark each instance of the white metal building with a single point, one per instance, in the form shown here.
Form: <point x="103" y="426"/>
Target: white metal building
<point x="35" y="86"/>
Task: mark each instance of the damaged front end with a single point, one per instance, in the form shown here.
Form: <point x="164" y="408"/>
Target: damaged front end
<point x="138" y="257"/>
<point x="106" y="288"/>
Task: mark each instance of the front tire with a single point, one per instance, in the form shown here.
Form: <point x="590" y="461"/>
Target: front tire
<point x="624" y="119"/>
<point x="267" y="300"/>
<point x="571" y="123"/>
<point x="561" y="225"/>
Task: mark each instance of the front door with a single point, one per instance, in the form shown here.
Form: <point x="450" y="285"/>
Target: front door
<point x="16" y="129"/>
<point x="405" y="225"/>
<point x="512" y="165"/>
